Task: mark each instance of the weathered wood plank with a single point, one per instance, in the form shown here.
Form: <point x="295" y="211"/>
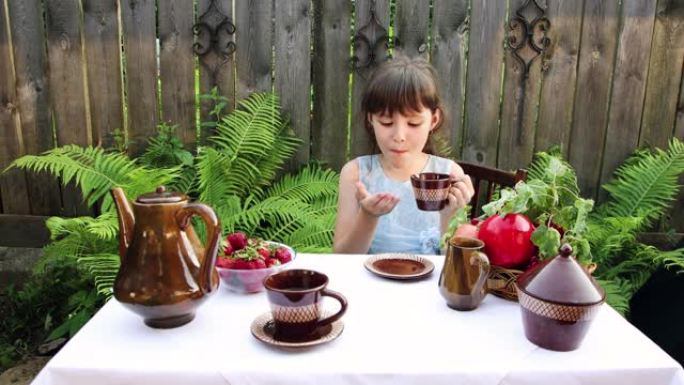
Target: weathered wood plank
<point x="293" y="70"/>
<point x="361" y="142"/>
<point x="662" y="91"/>
<point x="28" y="43"/>
<point x="520" y="93"/>
<point x="177" y="68"/>
<point x="595" y="69"/>
<point x="139" y="27"/>
<point x="677" y="220"/>
<point x="559" y="75"/>
<point x="67" y="88"/>
<point x="629" y="85"/>
<point x="103" y="55"/>
<point x="449" y="44"/>
<point x="216" y="71"/>
<point x="330" y="67"/>
<point x="483" y="85"/>
<point x="13" y="188"/>
<point x="253" y="38"/>
<point x="411" y="28"/>
<point x="23" y="231"/>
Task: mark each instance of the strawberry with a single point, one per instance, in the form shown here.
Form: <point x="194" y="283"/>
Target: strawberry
<point x="228" y="249"/>
<point x="264" y="252"/>
<point x="257" y="264"/>
<point x="237" y="240"/>
<point x="241" y="264"/>
<point x="225" y="262"/>
<point x="272" y="262"/>
<point x="283" y="255"/>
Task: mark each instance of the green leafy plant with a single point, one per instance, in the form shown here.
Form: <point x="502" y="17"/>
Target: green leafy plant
<point x="640" y="194"/>
<point x="235" y="173"/>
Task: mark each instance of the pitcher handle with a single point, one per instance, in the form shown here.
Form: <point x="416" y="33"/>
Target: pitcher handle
<point x="213" y="233"/>
<point x="340" y="313"/>
<point x="481" y="259"/>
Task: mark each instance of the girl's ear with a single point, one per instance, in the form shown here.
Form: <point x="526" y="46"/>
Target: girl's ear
<point x="436" y="118"/>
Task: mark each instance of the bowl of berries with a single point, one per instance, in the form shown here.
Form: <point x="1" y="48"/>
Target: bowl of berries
<point x="246" y="261"/>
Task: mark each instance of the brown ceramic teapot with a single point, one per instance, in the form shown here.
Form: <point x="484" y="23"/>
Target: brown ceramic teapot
<point x="165" y="271"/>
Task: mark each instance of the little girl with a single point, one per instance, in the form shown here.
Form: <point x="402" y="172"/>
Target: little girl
<point x="377" y="211"/>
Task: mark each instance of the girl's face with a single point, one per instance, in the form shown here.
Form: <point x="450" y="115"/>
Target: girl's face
<point x="402" y="136"/>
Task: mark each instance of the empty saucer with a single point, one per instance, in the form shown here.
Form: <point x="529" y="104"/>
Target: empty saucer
<point x="263" y="329"/>
<point x="399" y="266"/>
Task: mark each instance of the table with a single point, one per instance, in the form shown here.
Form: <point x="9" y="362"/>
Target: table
<point x="395" y="333"/>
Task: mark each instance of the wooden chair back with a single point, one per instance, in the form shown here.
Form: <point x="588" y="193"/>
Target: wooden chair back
<point x="492" y="177"/>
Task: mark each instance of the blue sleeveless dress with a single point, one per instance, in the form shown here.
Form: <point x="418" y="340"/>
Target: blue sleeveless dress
<point x="405" y="229"/>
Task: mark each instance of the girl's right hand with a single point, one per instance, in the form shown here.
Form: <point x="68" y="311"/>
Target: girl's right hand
<point x="375" y="204"/>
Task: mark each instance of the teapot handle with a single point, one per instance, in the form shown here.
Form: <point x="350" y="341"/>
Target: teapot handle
<point x="213" y="232"/>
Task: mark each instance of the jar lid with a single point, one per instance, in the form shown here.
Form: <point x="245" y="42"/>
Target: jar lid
<point x="561" y="280"/>
<point x="160" y="195"/>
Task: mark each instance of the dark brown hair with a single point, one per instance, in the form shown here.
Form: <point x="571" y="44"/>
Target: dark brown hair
<point x="401" y="85"/>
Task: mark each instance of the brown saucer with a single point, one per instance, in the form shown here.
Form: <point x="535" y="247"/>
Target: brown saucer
<point x="399" y="266"/>
<point x="263" y="330"/>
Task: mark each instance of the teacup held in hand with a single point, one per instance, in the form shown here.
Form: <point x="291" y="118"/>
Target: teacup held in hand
<point x="295" y="298"/>
<point x="431" y="190"/>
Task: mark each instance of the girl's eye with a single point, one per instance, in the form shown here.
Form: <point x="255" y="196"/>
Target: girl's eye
<point x="412" y="124"/>
<point x="385" y="123"/>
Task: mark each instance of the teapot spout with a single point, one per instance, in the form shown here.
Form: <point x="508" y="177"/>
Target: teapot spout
<point x="126" y="220"/>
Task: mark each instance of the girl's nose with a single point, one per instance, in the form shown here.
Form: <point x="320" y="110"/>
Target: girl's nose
<point x="399" y="135"/>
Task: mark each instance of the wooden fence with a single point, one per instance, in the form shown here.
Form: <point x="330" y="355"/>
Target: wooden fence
<point x="74" y="71"/>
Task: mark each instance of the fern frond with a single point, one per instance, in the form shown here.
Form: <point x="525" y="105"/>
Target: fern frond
<point x="269" y="165"/>
<point x="646" y="184"/>
<point x="618" y="294"/>
<point x="310" y="183"/>
<point x="103" y="268"/>
<point x="96" y="171"/>
<point x="166" y="150"/>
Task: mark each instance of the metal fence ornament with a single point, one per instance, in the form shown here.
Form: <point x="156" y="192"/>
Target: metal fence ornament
<point x="527" y="38"/>
<point x="370" y="43"/>
<point x="213" y="43"/>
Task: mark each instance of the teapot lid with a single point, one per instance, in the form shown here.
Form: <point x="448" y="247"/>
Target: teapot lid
<point x="561" y="280"/>
<point x="160" y="195"/>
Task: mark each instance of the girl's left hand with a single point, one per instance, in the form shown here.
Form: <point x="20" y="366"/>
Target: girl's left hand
<point x="460" y="194"/>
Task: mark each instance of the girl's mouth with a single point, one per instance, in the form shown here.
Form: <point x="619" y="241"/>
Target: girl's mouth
<point x="399" y="151"/>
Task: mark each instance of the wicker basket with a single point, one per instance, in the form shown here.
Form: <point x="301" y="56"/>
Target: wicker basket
<point x="501" y="281"/>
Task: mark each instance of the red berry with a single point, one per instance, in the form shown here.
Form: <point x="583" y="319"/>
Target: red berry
<point x="228" y="249"/>
<point x="264" y="252"/>
<point x="283" y="255"/>
<point x="258" y="264"/>
<point x="272" y="262"/>
<point x="238" y="240"/>
<point x="241" y="264"/>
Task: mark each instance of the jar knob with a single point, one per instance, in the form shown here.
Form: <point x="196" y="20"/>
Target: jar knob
<point x="160" y="189"/>
<point x="566" y="250"/>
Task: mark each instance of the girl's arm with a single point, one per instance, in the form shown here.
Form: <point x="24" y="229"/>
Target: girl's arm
<point x="355" y="226"/>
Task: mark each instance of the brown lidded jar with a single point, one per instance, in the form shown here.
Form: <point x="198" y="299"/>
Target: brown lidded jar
<point x="558" y="300"/>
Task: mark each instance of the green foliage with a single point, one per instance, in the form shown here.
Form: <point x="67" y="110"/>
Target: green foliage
<point x="96" y="172"/>
<point x="234" y="174"/>
<point x="640" y="194"/>
<point x="55" y="302"/>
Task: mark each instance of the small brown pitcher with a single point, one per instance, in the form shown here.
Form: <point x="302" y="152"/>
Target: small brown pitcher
<point x="465" y="271"/>
<point x="165" y="271"/>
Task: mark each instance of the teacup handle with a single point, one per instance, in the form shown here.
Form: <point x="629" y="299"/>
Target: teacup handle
<point x="481" y="259"/>
<point x="340" y="313"/>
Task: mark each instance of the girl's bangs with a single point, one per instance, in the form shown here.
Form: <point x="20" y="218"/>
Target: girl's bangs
<point x="404" y="93"/>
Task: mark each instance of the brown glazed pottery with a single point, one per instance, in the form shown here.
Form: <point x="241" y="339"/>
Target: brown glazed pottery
<point x="165" y="271"/>
<point x="464" y="274"/>
<point x="399" y="266"/>
<point x="295" y="297"/>
<point x="431" y="190"/>
<point x="558" y="300"/>
<point x="263" y="329"/>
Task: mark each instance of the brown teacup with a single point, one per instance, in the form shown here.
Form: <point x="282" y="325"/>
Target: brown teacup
<point x="295" y="298"/>
<point x="431" y="190"/>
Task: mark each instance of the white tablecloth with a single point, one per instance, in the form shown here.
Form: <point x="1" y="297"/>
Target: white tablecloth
<point x="395" y="333"/>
